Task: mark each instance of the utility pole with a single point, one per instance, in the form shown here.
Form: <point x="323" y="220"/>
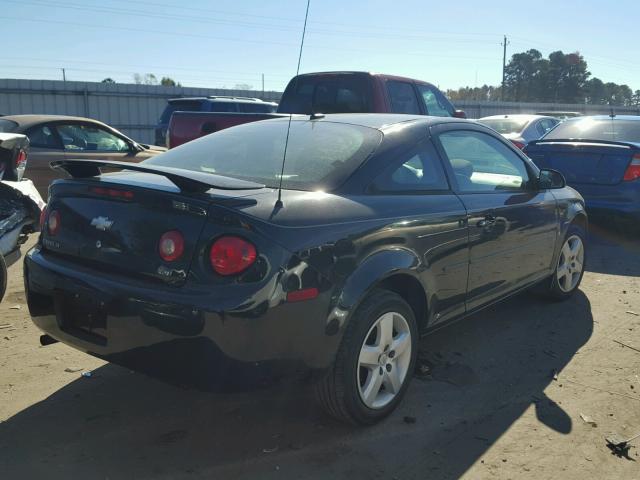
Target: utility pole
<point x="64" y="76"/>
<point x="263" y="86"/>
<point x="505" y="42"/>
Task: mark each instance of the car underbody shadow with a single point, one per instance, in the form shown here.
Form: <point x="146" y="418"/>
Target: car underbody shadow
<point x="485" y="372"/>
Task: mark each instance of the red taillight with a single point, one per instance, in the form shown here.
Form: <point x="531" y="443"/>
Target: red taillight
<point x="21" y="159"/>
<point x="53" y="222"/>
<point x="171" y="246"/>
<point x="302" y="295"/>
<point x="112" y="192"/>
<point x="633" y="170"/>
<point x="232" y="255"/>
<point x="43" y="217"/>
<point x="518" y="144"/>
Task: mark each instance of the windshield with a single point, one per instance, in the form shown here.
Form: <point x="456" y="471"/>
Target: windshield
<point x="505" y="125"/>
<point x="612" y="129"/>
<point x="348" y="93"/>
<point x="180" y="106"/>
<point x="7" y="126"/>
<point x="320" y="155"/>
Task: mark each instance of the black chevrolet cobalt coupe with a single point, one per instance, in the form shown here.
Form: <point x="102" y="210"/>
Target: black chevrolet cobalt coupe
<point x="386" y="226"/>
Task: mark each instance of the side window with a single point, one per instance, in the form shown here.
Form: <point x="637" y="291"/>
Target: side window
<point x="256" y="108"/>
<point x="434" y="102"/>
<point x="548" y="124"/>
<point x="482" y="163"/>
<point x="403" y="97"/>
<point x="541" y="127"/>
<point x="43" y="136"/>
<point x="223" y="107"/>
<point x="420" y="171"/>
<point x="79" y="137"/>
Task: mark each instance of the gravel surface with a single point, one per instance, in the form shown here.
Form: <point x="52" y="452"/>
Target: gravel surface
<point x="526" y="389"/>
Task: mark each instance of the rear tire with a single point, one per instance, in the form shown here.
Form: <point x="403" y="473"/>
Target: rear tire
<point x="570" y="267"/>
<point x="375" y="362"/>
<point x="3" y="277"/>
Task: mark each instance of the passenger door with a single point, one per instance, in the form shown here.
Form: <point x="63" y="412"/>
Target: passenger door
<point x="45" y="147"/>
<point x="430" y="221"/>
<point x="512" y="225"/>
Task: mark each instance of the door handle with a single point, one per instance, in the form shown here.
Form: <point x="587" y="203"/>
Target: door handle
<point x="488" y="221"/>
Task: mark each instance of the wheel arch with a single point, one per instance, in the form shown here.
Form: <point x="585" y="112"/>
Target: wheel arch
<point x="395" y="270"/>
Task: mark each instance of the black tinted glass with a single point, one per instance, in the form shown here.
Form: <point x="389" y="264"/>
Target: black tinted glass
<point x="7" y="126"/>
<point x="180" y="106"/>
<point x="403" y="98"/>
<point x="320" y="155"/>
<point x="327" y="94"/>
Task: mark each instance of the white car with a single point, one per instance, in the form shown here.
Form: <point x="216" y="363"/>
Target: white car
<point x="520" y="129"/>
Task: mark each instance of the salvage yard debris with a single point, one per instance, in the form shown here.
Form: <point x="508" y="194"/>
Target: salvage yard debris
<point x="620" y="448"/>
<point x="587" y="419"/>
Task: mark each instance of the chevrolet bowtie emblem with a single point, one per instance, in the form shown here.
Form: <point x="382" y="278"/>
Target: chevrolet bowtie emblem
<point x="102" y="223"/>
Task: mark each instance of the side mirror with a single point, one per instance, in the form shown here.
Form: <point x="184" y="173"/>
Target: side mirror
<point x="549" y="178"/>
<point x="459" y="114"/>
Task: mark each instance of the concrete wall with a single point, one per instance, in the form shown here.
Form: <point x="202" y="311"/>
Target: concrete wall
<point x="133" y="109"/>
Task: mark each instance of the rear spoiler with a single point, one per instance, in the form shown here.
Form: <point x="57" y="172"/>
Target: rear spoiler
<point x="187" y="181"/>
<point x="588" y="141"/>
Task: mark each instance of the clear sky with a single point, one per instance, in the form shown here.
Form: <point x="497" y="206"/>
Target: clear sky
<point x="219" y="43"/>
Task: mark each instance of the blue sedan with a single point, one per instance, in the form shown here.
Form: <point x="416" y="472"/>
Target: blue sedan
<point x="600" y="157"/>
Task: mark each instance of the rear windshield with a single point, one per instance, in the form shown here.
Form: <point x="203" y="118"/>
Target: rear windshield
<point x="320" y="155"/>
<point x="505" y="125"/>
<point x="614" y="129"/>
<point x="327" y="94"/>
<point x="180" y="106"/>
<point x="7" y="126"/>
<point x="256" y="107"/>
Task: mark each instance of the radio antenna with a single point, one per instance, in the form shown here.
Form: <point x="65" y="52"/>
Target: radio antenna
<point x="295" y="88"/>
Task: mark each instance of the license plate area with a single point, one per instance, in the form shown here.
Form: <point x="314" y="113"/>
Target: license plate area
<point x="83" y="316"/>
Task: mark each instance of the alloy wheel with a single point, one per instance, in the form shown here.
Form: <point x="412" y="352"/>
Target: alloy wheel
<point x="570" y="263"/>
<point x="384" y="360"/>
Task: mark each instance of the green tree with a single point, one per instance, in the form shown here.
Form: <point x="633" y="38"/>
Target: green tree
<point x="520" y="76"/>
<point x="169" y="82"/>
<point x="108" y="80"/>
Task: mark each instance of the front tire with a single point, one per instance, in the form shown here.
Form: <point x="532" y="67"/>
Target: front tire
<point x="375" y="361"/>
<point x="569" y="270"/>
<point x="3" y="277"/>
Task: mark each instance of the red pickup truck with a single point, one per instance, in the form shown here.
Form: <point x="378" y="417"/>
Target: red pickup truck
<point x="326" y="92"/>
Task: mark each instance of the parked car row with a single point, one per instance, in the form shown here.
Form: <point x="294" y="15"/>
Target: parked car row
<point x="59" y="137"/>
<point x="321" y="93"/>
<point x="328" y="235"/>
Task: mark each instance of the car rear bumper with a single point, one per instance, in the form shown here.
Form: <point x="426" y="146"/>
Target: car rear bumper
<point x="159" y="329"/>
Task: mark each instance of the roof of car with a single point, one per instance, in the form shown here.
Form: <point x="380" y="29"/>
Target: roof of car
<point x="222" y="99"/>
<point x="26" y="121"/>
<point x="371" y="74"/>
<point x="516" y="116"/>
<point x="379" y="121"/>
<point x="634" y="118"/>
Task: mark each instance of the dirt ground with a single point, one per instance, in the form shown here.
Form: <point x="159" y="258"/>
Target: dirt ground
<point x="491" y="408"/>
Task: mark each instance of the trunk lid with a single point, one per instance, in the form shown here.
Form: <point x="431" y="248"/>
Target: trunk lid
<point x="584" y="162"/>
<point x="114" y="223"/>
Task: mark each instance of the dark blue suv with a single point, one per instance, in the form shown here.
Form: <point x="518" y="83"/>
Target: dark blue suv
<point x="210" y="104"/>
